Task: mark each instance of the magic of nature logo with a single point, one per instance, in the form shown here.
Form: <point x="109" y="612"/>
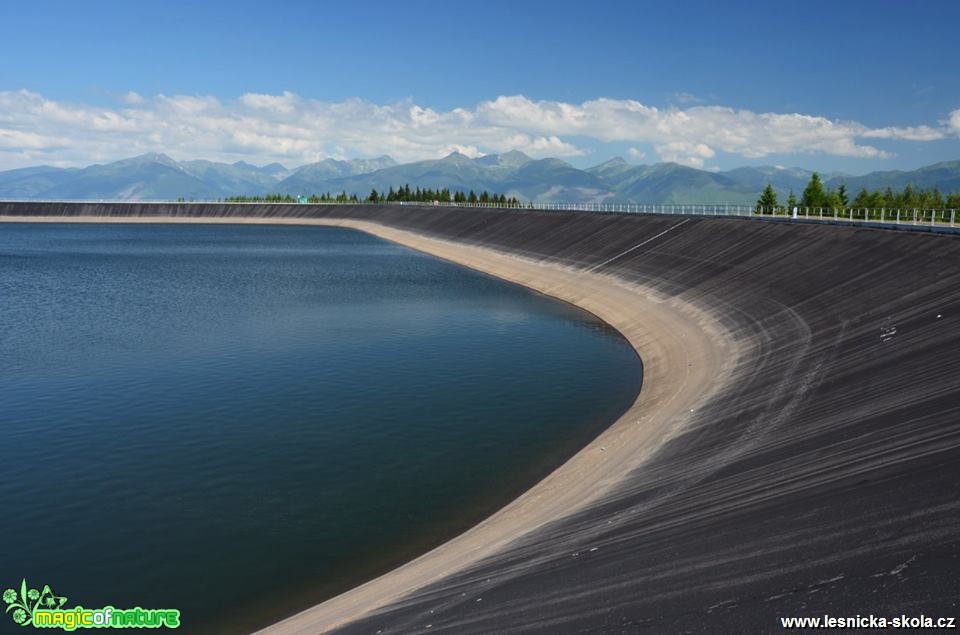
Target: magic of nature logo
<point x="44" y="609"/>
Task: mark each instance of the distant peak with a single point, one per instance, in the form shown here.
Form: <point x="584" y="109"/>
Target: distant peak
<point x="150" y="157"/>
<point x="615" y="162"/>
<point x="456" y="157"/>
<point x="514" y="158"/>
<point x="511" y="159"/>
<point x="378" y="161"/>
<point x="273" y="168"/>
<point x="155" y="156"/>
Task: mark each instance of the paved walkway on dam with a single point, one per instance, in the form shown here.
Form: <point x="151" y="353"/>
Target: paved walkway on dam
<point x="824" y="480"/>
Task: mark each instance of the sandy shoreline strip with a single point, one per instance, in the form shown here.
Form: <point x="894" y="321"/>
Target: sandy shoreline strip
<point x="687" y="355"/>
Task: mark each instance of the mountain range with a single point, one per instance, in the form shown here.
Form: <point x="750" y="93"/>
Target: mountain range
<point x="158" y="177"/>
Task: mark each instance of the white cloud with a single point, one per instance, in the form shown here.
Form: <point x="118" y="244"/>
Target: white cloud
<point x="132" y="98"/>
<point x="686" y="98"/>
<point x="551" y="146"/>
<point x="25" y="140"/>
<point x="635" y="153"/>
<point x="692" y="154"/>
<point x="295" y="130"/>
<point x="918" y="133"/>
<point x="954" y="121"/>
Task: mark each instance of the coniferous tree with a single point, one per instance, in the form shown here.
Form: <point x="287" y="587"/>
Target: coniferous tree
<point x="889" y="200"/>
<point x="879" y="200"/>
<point x="936" y="198"/>
<point x="863" y="199"/>
<point x="909" y="197"/>
<point x="833" y="200"/>
<point x="814" y="194"/>
<point x="767" y="200"/>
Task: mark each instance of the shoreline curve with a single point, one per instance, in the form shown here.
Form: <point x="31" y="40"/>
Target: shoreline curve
<point x="688" y="357"/>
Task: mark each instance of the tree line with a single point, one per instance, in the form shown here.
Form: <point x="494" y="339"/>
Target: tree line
<point x="815" y="196"/>
<point x="403" y="193"/>
<point x="444" y="195"/>
<point x="342" y="197"/>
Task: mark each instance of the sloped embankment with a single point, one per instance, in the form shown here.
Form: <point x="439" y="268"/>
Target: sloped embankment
<point x="823" y="480"/>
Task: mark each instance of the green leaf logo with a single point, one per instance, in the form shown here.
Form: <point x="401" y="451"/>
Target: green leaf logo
<point x="50" y="600"/>
<point x="24" y="603"/>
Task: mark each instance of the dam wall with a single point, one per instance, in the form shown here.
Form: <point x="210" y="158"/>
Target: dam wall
<point x="824" y="481"/>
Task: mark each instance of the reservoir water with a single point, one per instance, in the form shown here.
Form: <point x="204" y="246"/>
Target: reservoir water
<point x="240" y="421"/>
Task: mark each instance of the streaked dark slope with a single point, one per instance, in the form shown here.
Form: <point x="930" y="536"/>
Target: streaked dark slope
<point x="826" y="481"/>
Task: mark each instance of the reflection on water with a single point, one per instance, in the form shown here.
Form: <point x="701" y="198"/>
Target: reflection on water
<point x="248" y="419"/>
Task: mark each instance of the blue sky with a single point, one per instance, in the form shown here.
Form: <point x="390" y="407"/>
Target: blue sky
<point x="853" y="86"/>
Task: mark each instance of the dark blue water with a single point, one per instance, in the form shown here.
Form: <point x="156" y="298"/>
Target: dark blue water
<point x="240" y="421"/>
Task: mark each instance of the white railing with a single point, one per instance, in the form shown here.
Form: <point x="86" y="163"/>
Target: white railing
<point x="885" y="216"/>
